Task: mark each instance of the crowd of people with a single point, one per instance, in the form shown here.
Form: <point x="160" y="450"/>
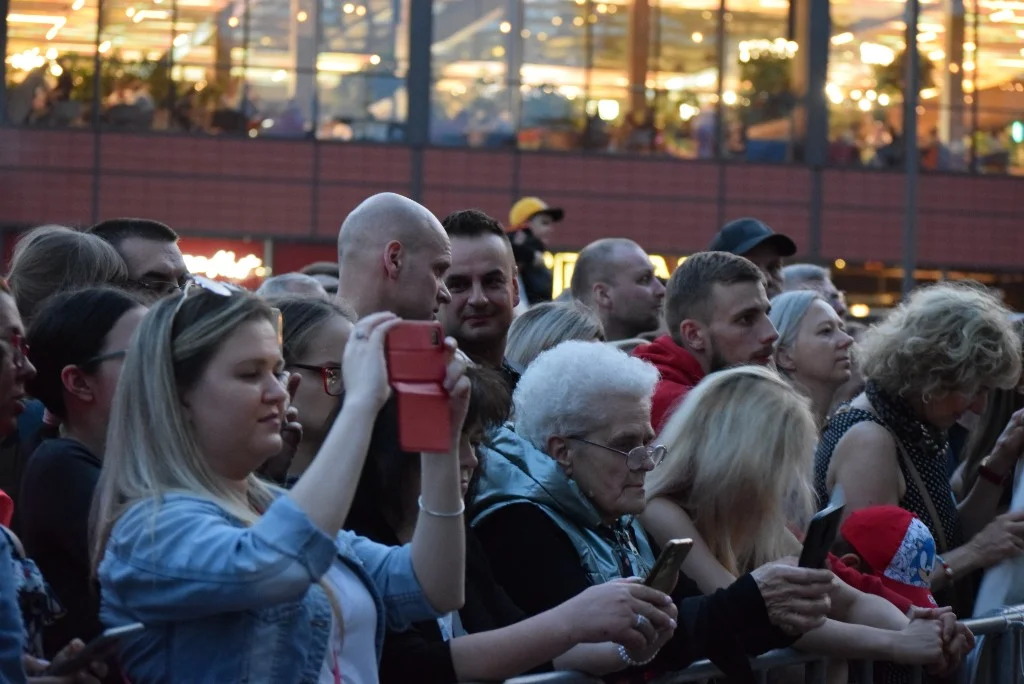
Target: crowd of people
<point x="225" y="467"/>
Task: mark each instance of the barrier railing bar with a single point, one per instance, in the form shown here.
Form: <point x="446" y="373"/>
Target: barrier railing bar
<point x="816" y="672"/>
<point x="1012" y="619"/>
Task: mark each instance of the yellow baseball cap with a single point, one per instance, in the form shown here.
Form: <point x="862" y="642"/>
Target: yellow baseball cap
<point x="528" y="207"/>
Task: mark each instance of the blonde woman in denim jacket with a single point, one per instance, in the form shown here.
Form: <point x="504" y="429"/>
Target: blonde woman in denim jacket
<point x="235" y="581"/>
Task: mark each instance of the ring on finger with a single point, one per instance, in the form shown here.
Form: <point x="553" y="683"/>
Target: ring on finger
<point x="641" y="621"/>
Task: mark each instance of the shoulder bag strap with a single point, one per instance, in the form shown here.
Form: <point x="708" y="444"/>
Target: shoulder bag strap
<point x="919" y="483"/>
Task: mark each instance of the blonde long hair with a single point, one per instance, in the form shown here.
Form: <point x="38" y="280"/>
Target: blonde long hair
<point x="151" y="447"/>
<point x="740" y="457"/>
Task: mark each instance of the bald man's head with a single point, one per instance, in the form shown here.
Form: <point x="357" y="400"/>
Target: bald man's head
<point x="393" y="255"/>
<point x="615" y="278"/>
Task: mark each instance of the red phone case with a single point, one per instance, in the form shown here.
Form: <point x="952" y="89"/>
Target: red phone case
<point x="417" y="361"/>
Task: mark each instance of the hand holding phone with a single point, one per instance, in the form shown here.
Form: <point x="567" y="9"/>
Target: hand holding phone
<point x="97" y="650"/>
<point x="417" y="361"/>
<point x="665" y="573"/>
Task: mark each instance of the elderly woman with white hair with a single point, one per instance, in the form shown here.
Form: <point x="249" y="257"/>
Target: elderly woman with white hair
<point x="556" y="502"/>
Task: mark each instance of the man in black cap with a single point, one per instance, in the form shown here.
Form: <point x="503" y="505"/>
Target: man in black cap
<point x="750" y="238"/>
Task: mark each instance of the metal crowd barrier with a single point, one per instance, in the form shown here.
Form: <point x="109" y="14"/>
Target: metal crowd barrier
<point x="998" y="659"/>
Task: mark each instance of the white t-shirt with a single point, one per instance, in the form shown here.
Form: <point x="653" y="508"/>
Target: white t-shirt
<point x="351" y="652"/>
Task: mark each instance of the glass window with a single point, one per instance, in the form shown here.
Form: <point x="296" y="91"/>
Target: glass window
<point x="49" y="64"/>
<point x="362" y="64"/>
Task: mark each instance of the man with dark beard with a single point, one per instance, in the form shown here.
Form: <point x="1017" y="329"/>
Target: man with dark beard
<point x="484" y="289"/>
<point x="716" y="311"/>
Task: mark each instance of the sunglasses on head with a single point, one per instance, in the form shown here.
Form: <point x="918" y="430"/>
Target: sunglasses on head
<point x="198" y="282"/>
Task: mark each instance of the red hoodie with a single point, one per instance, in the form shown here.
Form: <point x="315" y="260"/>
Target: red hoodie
<point x="680" y="372"/>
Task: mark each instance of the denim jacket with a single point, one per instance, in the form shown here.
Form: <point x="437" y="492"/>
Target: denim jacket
<point x="223" y="602"/>
<point x="12" y="633"/>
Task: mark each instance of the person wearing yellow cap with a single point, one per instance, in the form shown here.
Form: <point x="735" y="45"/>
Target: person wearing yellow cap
<point x="530" y="223"/>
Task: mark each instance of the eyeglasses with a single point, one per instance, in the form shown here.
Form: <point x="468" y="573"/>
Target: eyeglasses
<point x="223" y="290"/>
<point x="331" y="376"/>
<point x="636" y="458"/>
<point x="20" y="349"/>
<point x="109" y="356"/>
<point x="162" y="287"/>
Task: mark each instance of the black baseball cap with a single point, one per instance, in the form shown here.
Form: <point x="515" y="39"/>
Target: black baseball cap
<point x="742" y="235"/>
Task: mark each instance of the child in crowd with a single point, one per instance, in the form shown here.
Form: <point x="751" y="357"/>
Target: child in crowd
<point x="893" y="545"/>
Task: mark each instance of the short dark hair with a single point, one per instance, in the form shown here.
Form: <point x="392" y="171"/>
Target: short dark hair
<point x="324" y="268"/>
<point x="69" y="330"/>
<point x="472" y="223"/>
<point x="116" y="231"/>
<point x="490" y="401"/>
<point x="690" y="286"/>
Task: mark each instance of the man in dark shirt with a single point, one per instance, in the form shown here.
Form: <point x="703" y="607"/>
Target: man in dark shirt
<point x="484" y="289"/>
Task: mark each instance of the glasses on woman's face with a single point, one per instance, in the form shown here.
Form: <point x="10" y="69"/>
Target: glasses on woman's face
<point x="331" y="376"/>
<point x="637" y="458"/>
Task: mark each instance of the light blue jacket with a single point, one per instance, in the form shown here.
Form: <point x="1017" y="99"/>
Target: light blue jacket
<point x="223" y="602"/>
<point x="512" y="471"/>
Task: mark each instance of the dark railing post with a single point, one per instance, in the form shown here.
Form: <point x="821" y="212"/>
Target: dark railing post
<point x="4" y="9"/>
<point x="816" y="134"/>
<point x="911" y="156"/>
<point x="419" y="81"/>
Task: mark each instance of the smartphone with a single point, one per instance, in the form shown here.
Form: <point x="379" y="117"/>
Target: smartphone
<point x="416" y="353"/>
<point x="665" y="573"/>
<point x="822" y="532"/>
<point x="417" y="361"/>
<point x="99" y="649"/>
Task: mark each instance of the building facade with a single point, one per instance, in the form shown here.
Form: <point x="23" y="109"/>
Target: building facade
<point x="259" y="124"/>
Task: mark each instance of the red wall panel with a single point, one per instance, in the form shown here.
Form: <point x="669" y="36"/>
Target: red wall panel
<point x="468" y="169"/>
<point x="302" y="189"/>
<point x="205" y="156"/>
<point x="51" y="196"/>
<point x="23" y="148"/>
<point x="290" y="256"/>
<point x="200" y="205"/>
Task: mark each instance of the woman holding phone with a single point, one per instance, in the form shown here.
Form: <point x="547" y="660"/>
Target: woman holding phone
<point x="487" y="639"/>
<point x="235" y="580"/>
<point x="741" y="504"/>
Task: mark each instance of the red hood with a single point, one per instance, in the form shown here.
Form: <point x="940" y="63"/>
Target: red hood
<point x="680" y="372"/>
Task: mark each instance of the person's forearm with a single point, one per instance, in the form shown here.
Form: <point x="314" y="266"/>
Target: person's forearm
<point x="439" y="542"/>
<point x="962" y="561"/>
<point x="593" y="659"/>
<point x="326" y="490"/>
<point x="980" y="506"/>
<point x="875" y="611"/>
<point x="504" y="653"/>
<point x="843" y="640"/>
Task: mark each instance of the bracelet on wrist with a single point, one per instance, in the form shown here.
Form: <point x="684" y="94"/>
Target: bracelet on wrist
<point x="439" y="514"/>
<point x="986" y="472"/>
<point x="947" y="571"/>
<point x="628" y="659"/>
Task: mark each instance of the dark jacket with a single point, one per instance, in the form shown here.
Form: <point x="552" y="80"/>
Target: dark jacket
<point x="546" y="546"/>
<point x="420" y="654"/>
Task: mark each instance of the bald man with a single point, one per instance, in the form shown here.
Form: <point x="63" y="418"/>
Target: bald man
<point x="393" y="255"/>
<point x="615" y="278"/>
